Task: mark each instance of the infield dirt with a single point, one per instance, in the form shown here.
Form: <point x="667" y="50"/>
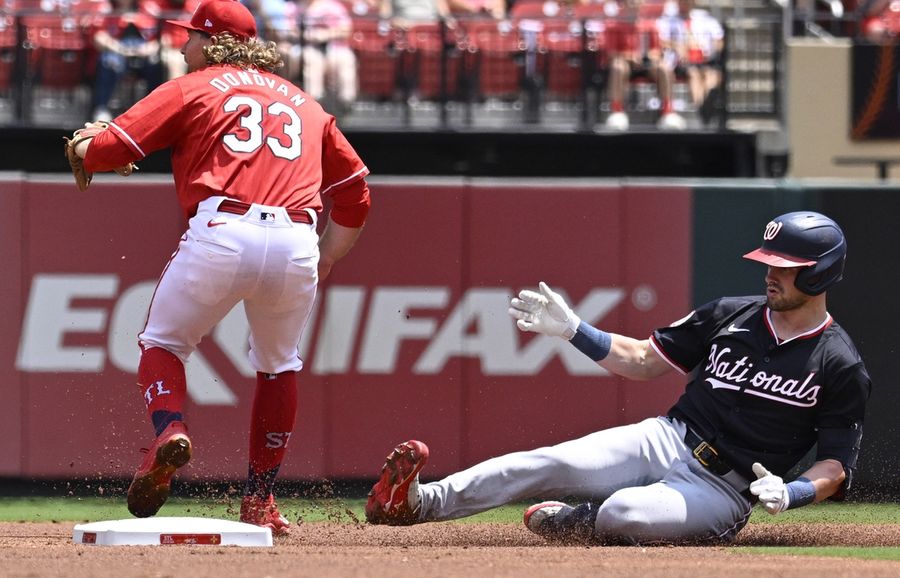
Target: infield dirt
<point x="30" y="550"/>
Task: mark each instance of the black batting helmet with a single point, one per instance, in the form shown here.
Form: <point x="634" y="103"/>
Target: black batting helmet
<point x="805" y="239"/>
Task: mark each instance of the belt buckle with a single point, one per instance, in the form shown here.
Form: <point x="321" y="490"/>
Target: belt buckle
<point x="700" y="449"/>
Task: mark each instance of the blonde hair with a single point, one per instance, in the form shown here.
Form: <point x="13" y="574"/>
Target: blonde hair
<point x="252" y="53"/>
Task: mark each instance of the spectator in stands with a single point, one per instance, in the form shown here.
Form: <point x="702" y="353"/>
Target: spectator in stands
<point x="128" y="43"/>
<point x="672" y="28"/>
<point x="327" y="56"/>
<point x="478" y="8"/>
<point x="172" y="38"/>
<point x="418" y="24"/>
<point x="704" y="60"/>
<point x="406" y="13"/>
<point x="363" y="7"/>
<point x="633" y="44"/>
<point x="538" y="9"/>
<point x="278" y="21"/>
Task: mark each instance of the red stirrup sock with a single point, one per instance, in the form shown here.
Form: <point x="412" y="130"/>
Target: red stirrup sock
<point x="616" y="106"/>
<point x="163" y="385"/>
<point x="271" y="425"/>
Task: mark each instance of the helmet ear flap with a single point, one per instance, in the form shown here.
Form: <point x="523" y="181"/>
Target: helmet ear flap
<point x="814" y="280"/>
<point x="809" y="281"/>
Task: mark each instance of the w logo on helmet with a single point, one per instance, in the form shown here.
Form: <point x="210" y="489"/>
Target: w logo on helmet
<point x="771" y="230"/>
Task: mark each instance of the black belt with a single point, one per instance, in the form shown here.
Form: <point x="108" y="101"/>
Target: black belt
<point x="705" y="453"/>
<point x="709" y="459"/>
<point x="239" y="208"/>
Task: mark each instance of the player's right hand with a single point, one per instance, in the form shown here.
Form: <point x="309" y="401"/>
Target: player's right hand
<point x="770" y="489"/>
<point x="545" y="312"/>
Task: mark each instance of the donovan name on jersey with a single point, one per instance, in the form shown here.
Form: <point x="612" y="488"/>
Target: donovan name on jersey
<point x="229" y="80"/>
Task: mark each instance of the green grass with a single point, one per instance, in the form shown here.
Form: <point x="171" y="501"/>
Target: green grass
<point x="869" y="553"/>
<point x="91" y="509"/>
<point x="78" y="509"/>
<point x="833" y="513"/>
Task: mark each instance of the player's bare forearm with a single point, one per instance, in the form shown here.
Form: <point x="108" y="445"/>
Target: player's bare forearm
<point x="82" y="147"/>
<point x="827" y="477"/>
<point x="634" y="359"/>
<point x="335" y="243"/>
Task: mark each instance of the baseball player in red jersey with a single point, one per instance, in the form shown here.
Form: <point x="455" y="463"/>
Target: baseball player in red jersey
<point x="770" y="377"/>
<point x="252" y="157"/>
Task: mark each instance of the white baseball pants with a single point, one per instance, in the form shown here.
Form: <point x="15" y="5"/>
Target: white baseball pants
<point x="262" y="258"/>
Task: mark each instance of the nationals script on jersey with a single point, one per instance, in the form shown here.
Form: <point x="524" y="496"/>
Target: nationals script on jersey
<point x="756" y="397"/>
<point x="245" y="134"/>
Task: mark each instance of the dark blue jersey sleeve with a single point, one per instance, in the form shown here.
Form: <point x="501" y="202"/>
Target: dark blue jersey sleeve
<point x="840" y="419"/>
<point x="685" y="343"/>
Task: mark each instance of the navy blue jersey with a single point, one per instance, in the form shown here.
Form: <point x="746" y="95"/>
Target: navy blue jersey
<point x="756" y="398"/>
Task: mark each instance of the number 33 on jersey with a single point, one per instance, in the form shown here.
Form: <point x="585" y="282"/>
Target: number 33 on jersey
<point x="243" y="134"/>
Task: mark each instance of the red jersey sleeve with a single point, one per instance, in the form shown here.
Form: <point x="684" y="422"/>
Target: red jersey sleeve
<point x="343" y="179"/>
<point x="151" y="124"/>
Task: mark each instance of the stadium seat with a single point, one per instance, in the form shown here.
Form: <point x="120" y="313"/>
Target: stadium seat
<point x="55" y="87"/>
<point x="425" y="54"/>
<point x="593" y="22"/>
<point x="538" y="9"/>
<point x="373" y="42"/>
<point x="563" y="41"/>
<point x="8" y="46"/>
<point x="58" y="51"/>
<point x="493" y="58"/>
<point x="650" y="9"/>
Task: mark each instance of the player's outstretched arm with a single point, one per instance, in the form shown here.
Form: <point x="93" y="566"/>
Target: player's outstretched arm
<point x="546" y="312"/>
<point x="633" y="358"/>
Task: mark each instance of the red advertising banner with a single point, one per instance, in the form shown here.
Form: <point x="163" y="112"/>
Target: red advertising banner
<point x="410" y="337"/>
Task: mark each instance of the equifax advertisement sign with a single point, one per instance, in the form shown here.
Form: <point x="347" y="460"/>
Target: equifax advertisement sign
<point x="410" y="336"/>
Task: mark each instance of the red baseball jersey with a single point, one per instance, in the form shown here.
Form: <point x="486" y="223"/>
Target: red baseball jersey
<point x="245" y="134"/>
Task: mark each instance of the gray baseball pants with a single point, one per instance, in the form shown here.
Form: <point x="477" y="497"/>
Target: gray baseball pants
<point x="650" y="485"/>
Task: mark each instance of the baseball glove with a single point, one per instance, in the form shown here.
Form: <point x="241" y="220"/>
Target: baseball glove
<point x="82" y="177"/>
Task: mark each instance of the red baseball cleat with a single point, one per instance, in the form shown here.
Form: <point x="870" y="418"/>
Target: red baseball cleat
<point x="149" y="489"/>
<point x="394" y="499"/>
<point x="264" y="512"/>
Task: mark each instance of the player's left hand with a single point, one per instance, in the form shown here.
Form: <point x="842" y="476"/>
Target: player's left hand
<point x="771" y="490"/>
<point x="76" y="163"/>
<point x="545" y="312"/>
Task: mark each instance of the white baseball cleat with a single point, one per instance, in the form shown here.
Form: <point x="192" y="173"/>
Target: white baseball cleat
<point x="671" y="121"/>
<point x="617" y="121"/>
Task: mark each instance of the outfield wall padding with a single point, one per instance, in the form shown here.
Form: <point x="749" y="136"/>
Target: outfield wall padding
<point x="410" y="336"/>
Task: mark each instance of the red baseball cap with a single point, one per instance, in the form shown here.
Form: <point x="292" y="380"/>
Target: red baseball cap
<point x="216" y="16"/>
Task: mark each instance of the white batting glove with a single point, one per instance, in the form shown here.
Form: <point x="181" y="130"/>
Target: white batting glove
<point x="771" y="490"/>
<point x="545" y="312"/>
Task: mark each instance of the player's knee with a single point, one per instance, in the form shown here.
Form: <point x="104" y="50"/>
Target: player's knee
<point x="624" y="516"/>
<point x="171" y="345"/>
